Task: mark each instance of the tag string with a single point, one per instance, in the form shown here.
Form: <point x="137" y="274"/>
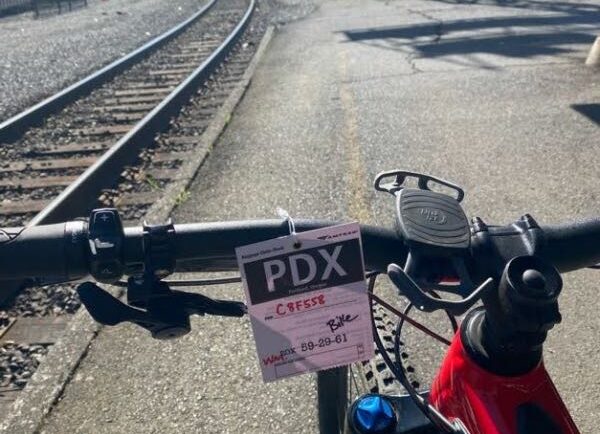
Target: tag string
<point x="292" y="227"/>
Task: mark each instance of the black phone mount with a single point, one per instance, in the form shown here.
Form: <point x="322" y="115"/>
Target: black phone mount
<point x="436" y="231"/>
<point x="151" y="304"/>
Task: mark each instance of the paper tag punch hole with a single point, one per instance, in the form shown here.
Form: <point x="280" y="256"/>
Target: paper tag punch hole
<point x="292" y="227"/>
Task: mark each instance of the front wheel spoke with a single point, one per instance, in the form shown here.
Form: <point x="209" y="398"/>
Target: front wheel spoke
<point x="353" y="395"/>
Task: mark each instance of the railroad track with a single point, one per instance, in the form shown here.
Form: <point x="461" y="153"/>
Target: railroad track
<point x="120" y="146"/>
<point x="49" y="158"/>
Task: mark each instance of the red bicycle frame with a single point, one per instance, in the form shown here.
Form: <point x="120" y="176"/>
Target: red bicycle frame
<point x="492" y="404"/>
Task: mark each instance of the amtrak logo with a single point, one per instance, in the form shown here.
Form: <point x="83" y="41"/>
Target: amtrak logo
<point x="430" y="215"/>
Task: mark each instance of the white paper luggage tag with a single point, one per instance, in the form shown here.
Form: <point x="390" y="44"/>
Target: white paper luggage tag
<point x="308" y="305"/>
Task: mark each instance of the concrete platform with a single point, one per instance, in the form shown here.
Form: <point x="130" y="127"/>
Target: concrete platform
<point x="483" y="94"/>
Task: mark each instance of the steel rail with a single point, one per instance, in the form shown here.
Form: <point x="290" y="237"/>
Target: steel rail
<point x="15" y="127"/>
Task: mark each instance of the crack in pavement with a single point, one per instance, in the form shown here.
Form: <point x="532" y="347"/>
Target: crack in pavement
<point x="411" y="58"/>
<point x="573" y="63"/>
<point x="440" y="23"/>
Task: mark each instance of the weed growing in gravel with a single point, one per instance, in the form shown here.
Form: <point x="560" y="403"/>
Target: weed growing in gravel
<point x="153" y="183"/>
<point x="182" y="197"/>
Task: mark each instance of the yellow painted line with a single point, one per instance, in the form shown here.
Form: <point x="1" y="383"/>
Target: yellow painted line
<point x="358" y="184"/>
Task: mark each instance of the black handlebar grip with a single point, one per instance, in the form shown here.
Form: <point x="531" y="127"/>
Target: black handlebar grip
<point x="573" y="245"/>
<point x="55" y="252"/>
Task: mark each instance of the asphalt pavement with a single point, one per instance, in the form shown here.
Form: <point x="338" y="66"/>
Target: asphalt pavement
<point x="491" y="95"/>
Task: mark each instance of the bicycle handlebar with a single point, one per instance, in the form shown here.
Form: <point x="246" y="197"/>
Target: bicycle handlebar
<point x="61" y="252"/>
<point x="573" y="245"/>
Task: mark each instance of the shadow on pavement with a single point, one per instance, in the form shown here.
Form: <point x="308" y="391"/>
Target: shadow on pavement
<point x="570" y="8"/>
<point x="433" y="29"/>
<point x="509" y="36"/>
<point x="591" y="111"/>
<point x="508" y="46"/>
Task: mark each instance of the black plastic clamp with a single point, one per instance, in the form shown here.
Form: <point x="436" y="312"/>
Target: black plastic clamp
<point x="424" y="182"/>
<point x="159" y="249"/>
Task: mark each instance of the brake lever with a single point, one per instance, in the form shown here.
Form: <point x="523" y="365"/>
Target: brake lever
<point x="167" y="314"/>
<point x="109" y="310"/>
<point x="427" y="303"/>
<point x="200" y="304"/>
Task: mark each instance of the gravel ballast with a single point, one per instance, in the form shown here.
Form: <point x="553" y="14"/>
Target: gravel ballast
<point x="39" y="57"/>
<point x="18" y="362"/>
